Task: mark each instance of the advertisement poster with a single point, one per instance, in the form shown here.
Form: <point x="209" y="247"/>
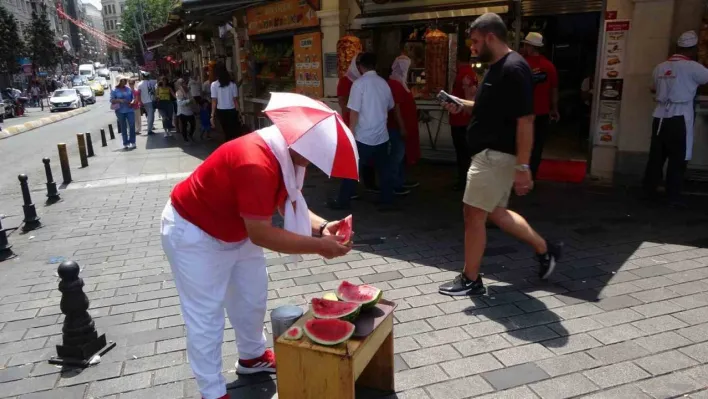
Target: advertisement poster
<point x="611" y="81"/>
<point x="308" y="64"/>
<point x="281" y="15"/>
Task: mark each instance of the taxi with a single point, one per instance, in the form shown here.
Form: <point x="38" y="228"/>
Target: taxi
<point x="97" y="88"/>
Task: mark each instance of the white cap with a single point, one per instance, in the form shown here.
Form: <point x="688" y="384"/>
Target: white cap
<point x="688" y="39"/>
<point x="535" y="39"/>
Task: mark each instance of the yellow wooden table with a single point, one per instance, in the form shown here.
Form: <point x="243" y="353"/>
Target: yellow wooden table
<point x="307" y="370"/>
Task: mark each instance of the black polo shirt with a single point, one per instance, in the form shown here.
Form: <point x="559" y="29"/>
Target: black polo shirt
<point x="504" y="96"/>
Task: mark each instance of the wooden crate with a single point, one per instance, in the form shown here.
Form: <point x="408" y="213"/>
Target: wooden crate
<point x="307" y="370"/>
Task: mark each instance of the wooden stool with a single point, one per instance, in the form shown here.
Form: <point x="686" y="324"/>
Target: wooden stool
<point x="307" y="370"/>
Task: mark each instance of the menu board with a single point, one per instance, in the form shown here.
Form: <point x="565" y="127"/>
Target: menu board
<point x="308" y="64"/>
<point x="611" y="81"/>
<point x="281" y="15"/>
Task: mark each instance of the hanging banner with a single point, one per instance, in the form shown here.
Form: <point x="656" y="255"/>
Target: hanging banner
<point x="611" y="80"/>
<point x="281" y="15"/>
<point x="308" y="64"/>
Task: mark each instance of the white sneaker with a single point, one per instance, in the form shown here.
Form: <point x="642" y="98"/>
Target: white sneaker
<point x="127" y="146"/>
<point x="131" y="145"/>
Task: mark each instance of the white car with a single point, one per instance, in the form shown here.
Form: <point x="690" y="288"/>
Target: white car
<point x="65" y="99"/>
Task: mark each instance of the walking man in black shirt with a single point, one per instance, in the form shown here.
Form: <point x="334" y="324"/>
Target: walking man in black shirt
<point x="500" y="133"/>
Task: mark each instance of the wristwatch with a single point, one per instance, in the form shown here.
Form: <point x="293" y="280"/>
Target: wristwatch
<point x="323" y="226"/>
<point x="522" y="168"/>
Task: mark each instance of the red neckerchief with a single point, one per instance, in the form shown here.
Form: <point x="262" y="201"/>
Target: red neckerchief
<point x="679" y="57"/>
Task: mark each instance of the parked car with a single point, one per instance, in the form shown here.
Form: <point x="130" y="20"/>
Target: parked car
<point x="97" y="88"/>
<point x="65" y="99"/>
<point x="87" y="94"/>
<point x="104" y="73"/>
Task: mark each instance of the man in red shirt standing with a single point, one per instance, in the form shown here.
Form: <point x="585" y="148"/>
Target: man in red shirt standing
<point x="545" y="94"/>
<point x="465" y="86"/>
<point x="214" y="229"/>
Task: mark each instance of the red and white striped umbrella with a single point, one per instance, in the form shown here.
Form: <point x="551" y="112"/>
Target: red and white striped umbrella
<point x="316" y="132"/>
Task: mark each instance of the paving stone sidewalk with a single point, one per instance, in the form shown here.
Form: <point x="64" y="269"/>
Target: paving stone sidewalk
<point x="624" y="316"/>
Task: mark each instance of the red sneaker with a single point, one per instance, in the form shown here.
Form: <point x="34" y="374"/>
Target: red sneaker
<point x="263" y="364"/>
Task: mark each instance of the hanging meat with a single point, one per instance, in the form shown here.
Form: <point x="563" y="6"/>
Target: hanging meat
<point x="436" y="48"/>
<point x="347" y="47"/>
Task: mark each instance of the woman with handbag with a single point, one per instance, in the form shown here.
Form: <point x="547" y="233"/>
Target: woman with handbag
<point x="185" y="110"/>
<point x="224" y="103"/>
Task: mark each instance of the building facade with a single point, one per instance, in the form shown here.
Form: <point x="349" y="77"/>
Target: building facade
<point x="93" y="18"/>
<point x="112" y="11"/>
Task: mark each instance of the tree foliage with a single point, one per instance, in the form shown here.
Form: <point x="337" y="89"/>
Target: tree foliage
<point x="41" y="47"/>
<point x="11" y="45"/>
<point x="153" y="13"/>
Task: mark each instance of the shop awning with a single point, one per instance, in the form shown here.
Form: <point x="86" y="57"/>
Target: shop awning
<point x="213" y="10"/>
<point x="161" y="34"/>
<point x="405" y="15"/>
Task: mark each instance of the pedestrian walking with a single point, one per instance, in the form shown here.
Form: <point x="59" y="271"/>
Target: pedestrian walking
<point x="367" y="119"/>
<point x="545" y="95"/>
<point x="185" y="110"/>
<point x="465" y="87"/>
<point x="214" y="229"/>
<point x="164" y="95"/>
<point x="136" y="105"/>
<point x="675" y="83"/>
<point x="224" y="102"/>
<point x="122" y="102"/>
<point x="147" y="97"/>
<point x="501" y="135"/>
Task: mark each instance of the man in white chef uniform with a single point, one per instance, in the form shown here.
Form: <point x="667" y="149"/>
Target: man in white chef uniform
<point x="675" y="84"/>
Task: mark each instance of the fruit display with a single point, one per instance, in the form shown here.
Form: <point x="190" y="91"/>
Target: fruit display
<point x="293" y="333"/>
<point x="365" y="295"/>
<point x="325" y="309"/>
<point x="347" y="48"/>
<point x="436" y="49"/>
<point x="345" y="230"/>
<point x="328" y="331"/>
<point x="331" y="296"/>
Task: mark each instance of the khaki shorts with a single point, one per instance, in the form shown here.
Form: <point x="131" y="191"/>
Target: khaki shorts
<point x="489" y="180"/>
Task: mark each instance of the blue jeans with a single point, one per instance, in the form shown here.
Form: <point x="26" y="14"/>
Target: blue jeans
<point x="380" y="155"/>
<point x="166" y="111"/>
<point x="150" y="111"/>
<point x="126" y="125"/>
<point x="398" y="158"/>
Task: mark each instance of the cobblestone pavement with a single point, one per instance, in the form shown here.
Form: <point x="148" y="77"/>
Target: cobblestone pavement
<point x="624" y="316"/>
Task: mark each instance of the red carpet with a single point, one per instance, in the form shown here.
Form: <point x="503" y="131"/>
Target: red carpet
<point x="562" y="170"/>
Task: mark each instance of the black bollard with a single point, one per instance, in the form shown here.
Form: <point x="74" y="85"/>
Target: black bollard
<point x="80" y="340"/>
<point x="31" y="219"/>
<point x="89" y="145"/>
<point x="110" y="132"/>
<point x="52" y="192"/>
<point x="5" y="247"/>
<point x="103" y="138"/>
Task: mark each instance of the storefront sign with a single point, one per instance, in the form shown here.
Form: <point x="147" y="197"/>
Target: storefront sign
<point x="281" y="15"/>
<point x="610" y="15"/>
<point x="330" y="65"/>
<point x="308" y="64"/>
<point x="611" y="80"/>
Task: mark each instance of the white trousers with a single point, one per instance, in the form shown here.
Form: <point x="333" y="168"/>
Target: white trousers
<point x="211" y="275"/>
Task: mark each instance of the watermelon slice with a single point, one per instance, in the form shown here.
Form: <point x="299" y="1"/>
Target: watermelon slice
<point x="328" y="331"/>
<point x="365" y="295"/>
<point x="326" y="309"/>
<point x="345" y="230"/>
<point x="294" y="333"/>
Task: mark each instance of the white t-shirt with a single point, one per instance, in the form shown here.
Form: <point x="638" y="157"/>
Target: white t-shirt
<point x="371" y="97"/>
<point x="195" y="88"/>
<point x="224" y="95"/>
<point x="183" y="103"/>
<point x="147" y="91"/>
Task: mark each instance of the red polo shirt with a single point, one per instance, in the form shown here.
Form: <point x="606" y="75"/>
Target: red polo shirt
<point x="241" y="179"/>
<point x="545" y="79"/>
<point x="344" y="87"/>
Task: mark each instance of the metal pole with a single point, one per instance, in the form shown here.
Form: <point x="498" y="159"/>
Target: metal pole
<point x="89" y="145"/>
<point x="31" y="220"/>
<point x="64" y="162"/>
<point x="103" y="138"/>
<point x="110" y="131"/>
<point x="82" y="150"/>
<point x="52" y="193"/>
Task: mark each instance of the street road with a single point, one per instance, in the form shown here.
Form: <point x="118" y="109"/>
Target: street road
<point x="23" y="153"/>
